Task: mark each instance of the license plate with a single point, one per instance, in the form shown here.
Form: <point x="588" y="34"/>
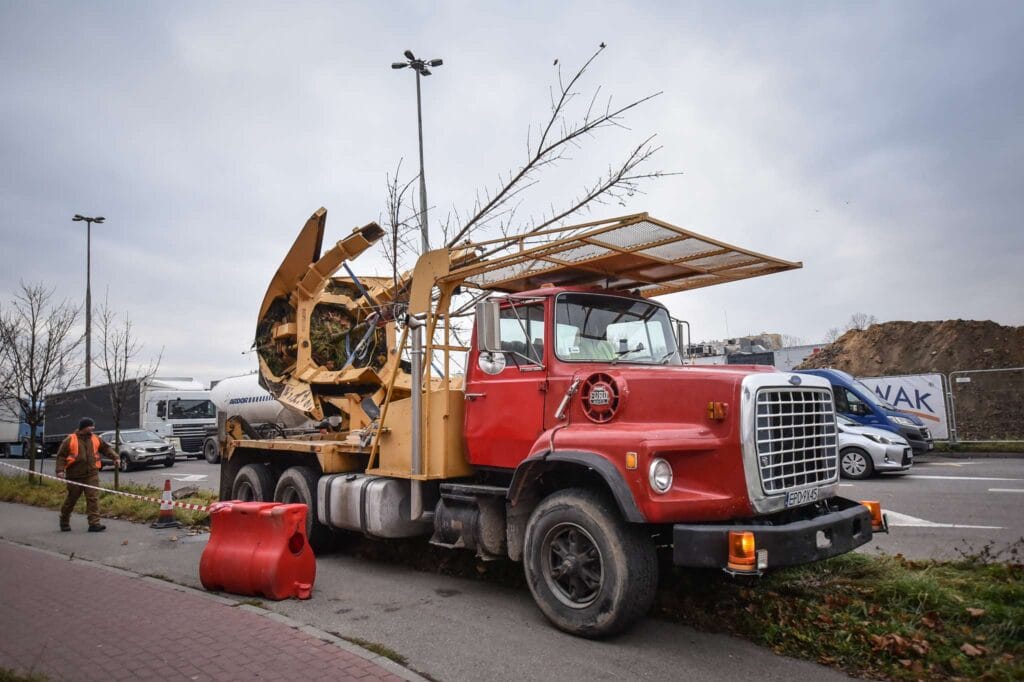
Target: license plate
<point x="798" y="497"/>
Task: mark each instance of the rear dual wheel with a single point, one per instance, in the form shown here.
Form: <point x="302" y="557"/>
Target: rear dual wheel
<point x="591" y="573"/>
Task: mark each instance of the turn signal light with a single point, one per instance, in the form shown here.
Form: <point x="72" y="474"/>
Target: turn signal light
<point x="631" y="460"/>
<point x="718" y="411"/>
<point x="742" y="553"/>
<point x="877" y="522"/>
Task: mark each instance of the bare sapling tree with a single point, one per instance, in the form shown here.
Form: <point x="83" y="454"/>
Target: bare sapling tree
<point x="39" y="344"/>
<point x="401" y="223"/>
<point x="857" y="322"/>
<point x="566" y="128"/>
<point x="119" y="349"/>
<point x="549" y="144"/>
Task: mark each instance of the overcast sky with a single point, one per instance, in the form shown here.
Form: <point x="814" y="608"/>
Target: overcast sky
<point x="879" y="143"/>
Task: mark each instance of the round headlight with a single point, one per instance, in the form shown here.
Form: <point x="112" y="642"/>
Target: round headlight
<point x="660" y="476"/>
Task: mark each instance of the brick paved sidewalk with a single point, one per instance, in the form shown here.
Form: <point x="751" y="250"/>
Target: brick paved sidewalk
<point x="71" y="620"/>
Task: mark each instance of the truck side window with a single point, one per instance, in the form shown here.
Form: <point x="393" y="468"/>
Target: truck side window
<point x="161" y="409"/>
<point x="522" y="333"/>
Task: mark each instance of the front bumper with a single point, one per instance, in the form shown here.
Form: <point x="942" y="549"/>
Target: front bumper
<point x="920" y="438"/>
<point x="801" y="541"/>
<point x="900" y="457"/>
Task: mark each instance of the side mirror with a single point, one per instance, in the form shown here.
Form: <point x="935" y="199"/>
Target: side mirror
<point x="488" y="326"/>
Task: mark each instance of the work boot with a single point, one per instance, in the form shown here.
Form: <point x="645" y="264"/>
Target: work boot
<point x="65" y="527"/>
<point x="98" y="528"/>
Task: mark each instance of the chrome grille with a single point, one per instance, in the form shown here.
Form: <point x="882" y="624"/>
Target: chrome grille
<point x="191" y="435"/>
<point x="796" y="438"/>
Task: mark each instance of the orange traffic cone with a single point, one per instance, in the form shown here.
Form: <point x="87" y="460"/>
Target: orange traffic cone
<point x="166" y="518"/>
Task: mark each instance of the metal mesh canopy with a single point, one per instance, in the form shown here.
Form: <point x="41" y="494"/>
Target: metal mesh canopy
<point x="634" y="252"/>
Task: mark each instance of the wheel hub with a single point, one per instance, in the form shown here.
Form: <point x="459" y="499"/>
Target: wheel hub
<point x="572" y="565"/>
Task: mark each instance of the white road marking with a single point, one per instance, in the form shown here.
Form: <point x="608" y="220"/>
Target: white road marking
<point x="188" y="478"/>
<point x="906" y="520"/>
<point x="1006" y="490"/>
<point x="943" y="464"/>
<point x="962" y="478"/>
<point x="845" y="485"/>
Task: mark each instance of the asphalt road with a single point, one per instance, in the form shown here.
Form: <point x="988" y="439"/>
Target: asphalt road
<point x="944" y="506"/>
<point x="941" y="507"/>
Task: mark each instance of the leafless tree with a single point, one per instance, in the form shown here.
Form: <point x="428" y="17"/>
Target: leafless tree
<point x="861" y="321"/>
<point x="402" y="222"/>
<point x="38" y="354"/>
<point x="788" y="341"/>
<point x="119" y="348"/>
<point x="550" y="143"/>
<point x="832" y="334"/>
<point x="554" y="139"/>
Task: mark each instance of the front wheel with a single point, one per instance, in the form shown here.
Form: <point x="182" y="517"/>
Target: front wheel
<point x="125" y="465"/>
<point x="210" y="451"/>
<point x="856" y="464"/>
<point x="591" y="573"/>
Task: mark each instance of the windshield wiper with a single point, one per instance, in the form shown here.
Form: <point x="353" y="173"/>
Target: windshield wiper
<point x="623" y="353"/>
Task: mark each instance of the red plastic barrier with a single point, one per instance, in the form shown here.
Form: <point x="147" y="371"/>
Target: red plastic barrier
<point x="260" y="549"/>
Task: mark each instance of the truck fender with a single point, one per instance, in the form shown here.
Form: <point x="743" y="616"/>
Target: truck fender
<point x="530" y="469"/>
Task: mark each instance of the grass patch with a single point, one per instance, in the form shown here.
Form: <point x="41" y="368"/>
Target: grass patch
<point x="873" y="616"/>
<point x="988" y="446"/>
<point x="379" y="649"/>
<point x="50" y="494"/>
<point x="251" y="602"/>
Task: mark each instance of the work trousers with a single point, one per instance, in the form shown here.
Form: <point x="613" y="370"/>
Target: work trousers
<point x="92" y="500"/>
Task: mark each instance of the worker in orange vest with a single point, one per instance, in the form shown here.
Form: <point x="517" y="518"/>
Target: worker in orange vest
<point x="78" y="459"/>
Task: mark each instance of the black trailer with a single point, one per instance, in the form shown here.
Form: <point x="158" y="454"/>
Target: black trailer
<point x="64" y="410"/>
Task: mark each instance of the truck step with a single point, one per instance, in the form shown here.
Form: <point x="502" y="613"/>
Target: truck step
<point x="460" y="490"/>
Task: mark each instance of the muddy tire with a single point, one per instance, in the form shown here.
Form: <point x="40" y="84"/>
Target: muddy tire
<point x="591" y="573"/>
<point x="211" y="451"/>
<point x="856" y="464"/>
<point x="253" y="483"/>
<point x="297" y="485"/>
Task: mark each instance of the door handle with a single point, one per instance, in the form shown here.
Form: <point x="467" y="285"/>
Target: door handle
<point x="474" y="396"/>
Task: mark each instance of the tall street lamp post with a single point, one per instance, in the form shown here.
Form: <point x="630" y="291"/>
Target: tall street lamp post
<point x="88" y="291"/>
<point x="420" y="66"/>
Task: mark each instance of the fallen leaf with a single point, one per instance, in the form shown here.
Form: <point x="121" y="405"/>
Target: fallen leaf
<point x="906" y="662"/>
<point x="124" y="542"/>
<point x="975" y="613"/>
<point x="971" y="650"/>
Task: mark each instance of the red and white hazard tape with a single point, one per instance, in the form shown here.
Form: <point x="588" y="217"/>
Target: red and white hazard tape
<point x="156" y="500"/>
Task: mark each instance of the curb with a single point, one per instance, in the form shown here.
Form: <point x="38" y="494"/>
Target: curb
<point x="366" y="654"/>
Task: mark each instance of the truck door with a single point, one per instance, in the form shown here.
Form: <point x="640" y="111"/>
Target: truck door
<point x="505" y="391"/>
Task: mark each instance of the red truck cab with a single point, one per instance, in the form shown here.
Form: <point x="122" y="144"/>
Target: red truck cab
<point x="579" y="386"/>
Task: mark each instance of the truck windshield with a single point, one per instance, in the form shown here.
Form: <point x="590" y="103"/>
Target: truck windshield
<point x="190" y="409"/>
<point x="600" y="328"/>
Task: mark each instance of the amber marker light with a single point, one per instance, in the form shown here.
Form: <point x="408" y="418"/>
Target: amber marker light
<point x="631" y="460"/>
<point x="742" y="553"/>
<point x="878" y="524"/>
<point x="718" y="411"/>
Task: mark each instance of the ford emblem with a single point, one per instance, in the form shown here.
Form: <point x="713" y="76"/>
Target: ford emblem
<point x="795" y="380"/>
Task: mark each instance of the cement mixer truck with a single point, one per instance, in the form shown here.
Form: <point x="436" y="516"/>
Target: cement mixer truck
<point x="242" y="396"/>
<point x="571" y="438"/>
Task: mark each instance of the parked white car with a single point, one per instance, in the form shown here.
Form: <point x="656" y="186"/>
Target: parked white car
<point x="865" y="450"/>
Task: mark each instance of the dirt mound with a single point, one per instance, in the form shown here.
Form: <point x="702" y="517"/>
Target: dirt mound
<point x="988" y="405"/>
<point x="921" y="347"/>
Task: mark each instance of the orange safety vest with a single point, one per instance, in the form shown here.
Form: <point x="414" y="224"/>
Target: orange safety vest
<point x="73" y="451"/>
